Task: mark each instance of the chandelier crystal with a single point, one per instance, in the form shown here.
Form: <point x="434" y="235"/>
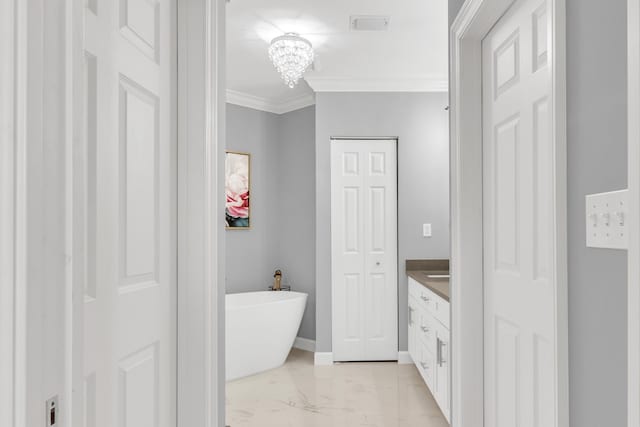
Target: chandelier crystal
<point x="291" y="55"/>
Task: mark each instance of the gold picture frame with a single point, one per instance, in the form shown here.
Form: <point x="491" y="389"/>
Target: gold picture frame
<point x="237" y="185"/>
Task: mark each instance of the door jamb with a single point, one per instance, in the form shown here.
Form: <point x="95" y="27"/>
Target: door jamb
<point x="12" y="142"/>
<point x="473" y="22"/>
<point x="201" y="231"/>
<point x="633" y="88"/>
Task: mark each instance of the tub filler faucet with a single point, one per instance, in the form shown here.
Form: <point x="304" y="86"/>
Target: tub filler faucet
<point x="277" y="281"/>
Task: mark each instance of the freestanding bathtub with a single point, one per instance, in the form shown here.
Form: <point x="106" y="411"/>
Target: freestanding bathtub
<point x="260" y="330"/>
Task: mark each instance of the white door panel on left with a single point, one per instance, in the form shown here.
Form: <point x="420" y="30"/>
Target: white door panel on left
<point x="125" y="333"/>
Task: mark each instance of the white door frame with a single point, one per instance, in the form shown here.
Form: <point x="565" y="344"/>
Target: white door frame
<point x="11" y="143"/>
<point x="633" y="88"/>
<point x="22" y="117"/>
<point x="201" y="131"/>
<point x="472" y="24"/>
<point x="201" y="231"/>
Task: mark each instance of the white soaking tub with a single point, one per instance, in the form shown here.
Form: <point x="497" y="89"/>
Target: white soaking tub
<point x="260" y="330"/>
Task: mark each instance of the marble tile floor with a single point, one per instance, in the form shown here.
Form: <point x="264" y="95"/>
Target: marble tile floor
<point x="300" y="394"/>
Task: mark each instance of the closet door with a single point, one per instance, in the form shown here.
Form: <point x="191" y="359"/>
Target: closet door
<point x="364" y="250"/>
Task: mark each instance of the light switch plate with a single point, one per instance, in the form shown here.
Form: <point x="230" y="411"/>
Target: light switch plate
<point x="606" y="218"/>
<point x="426" y="230"/>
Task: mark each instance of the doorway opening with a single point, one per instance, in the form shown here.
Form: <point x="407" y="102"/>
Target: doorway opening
<point x="343" y="191"/>
<point x="508" y="169"/>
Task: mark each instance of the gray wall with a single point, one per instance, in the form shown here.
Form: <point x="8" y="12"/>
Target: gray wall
<point x="297" y="208"/>
<point x="597" y="161"/>
<point x="282" y="234"/>
<point x="421" y="123"/>
<point x="597" y="132"/>
<point x="251" y="258"/>
<point x="454" y="8"/>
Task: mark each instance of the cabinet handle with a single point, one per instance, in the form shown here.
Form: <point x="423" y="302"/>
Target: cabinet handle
<point x="410" y="316"/>
<point x="424" y="329"/>
<point x="443" y="361"/>
<point x="423" y="298"/>
<point x="439" y="347"/>
<point x="424" y="366"/>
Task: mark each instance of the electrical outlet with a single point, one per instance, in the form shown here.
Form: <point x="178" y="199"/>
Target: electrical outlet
<point x="52" y="412"/>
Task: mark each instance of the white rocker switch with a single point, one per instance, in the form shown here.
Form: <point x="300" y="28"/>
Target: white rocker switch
<point x="606" y="220"/>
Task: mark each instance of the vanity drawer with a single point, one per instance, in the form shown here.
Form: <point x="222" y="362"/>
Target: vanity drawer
<point x="426" y="331"/>
<point x="440" y="310"/>
<point x="414" y="288"/>
<point x="422" y="295"/>
<point x="427" y="366"/>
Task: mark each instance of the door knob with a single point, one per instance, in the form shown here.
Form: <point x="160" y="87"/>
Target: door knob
<point x="378" y="264"/>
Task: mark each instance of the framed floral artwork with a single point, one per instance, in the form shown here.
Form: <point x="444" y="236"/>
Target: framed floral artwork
<point x="237" y="190"/>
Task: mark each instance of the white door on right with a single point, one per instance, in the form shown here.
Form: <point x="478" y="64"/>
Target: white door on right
<point x="519" y="232"/>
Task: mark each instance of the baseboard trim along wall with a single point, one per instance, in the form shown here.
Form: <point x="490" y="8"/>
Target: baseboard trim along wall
<point x="323" y="359"/>
<point x="404" y="358"/>
<point x="304" y="344"/>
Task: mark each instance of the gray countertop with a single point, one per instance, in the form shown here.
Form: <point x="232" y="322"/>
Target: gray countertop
<point x="421" y="270"/>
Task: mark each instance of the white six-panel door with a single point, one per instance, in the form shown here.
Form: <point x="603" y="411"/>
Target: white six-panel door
<point x="519" y="209"/>
<point x="364" y="250"/>
<point x="125" y="339"/>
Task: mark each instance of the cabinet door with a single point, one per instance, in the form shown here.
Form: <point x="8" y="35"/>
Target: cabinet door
<point x="412" y="330"/>
<point x="442" y="369"/>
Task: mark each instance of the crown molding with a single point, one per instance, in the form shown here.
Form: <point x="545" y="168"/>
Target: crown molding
<point x="297" y="103"/>
<point x="263" y="104"/>
<point x="329" y="84"/>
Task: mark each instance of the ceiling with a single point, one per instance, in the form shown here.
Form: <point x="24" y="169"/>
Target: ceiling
<point x="410" y="56"/>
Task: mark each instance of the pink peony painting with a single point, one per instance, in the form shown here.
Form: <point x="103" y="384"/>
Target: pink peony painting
<point x="237" y="190"/>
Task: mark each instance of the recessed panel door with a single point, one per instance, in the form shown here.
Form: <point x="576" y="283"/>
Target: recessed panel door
<point x="125" y="338"/>
<point x="364" y="250"/>
<point x="519" y="209"/>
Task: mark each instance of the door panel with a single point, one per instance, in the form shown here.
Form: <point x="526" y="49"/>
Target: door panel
<point x="518" y="213"/>
<point x="442" y="394"/>
<point x="126" y="333"/>
<point x="364" y="250"/>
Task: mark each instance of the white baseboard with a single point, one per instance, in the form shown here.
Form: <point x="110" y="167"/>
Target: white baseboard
<point x="404" y="358"/>
<point x="305" y="344"/>
<point x="323" y="359"/>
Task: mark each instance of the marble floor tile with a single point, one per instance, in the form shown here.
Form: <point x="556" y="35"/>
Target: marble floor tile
<point x="300" y="394"/>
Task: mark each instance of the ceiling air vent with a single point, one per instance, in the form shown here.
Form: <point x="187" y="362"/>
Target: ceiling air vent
<point x="369" y="23"/>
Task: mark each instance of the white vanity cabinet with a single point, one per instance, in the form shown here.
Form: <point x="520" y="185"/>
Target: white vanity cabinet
<point x="429" y="341"/>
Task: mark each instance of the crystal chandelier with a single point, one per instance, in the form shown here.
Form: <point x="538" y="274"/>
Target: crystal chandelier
<point x="291" y="55"/>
